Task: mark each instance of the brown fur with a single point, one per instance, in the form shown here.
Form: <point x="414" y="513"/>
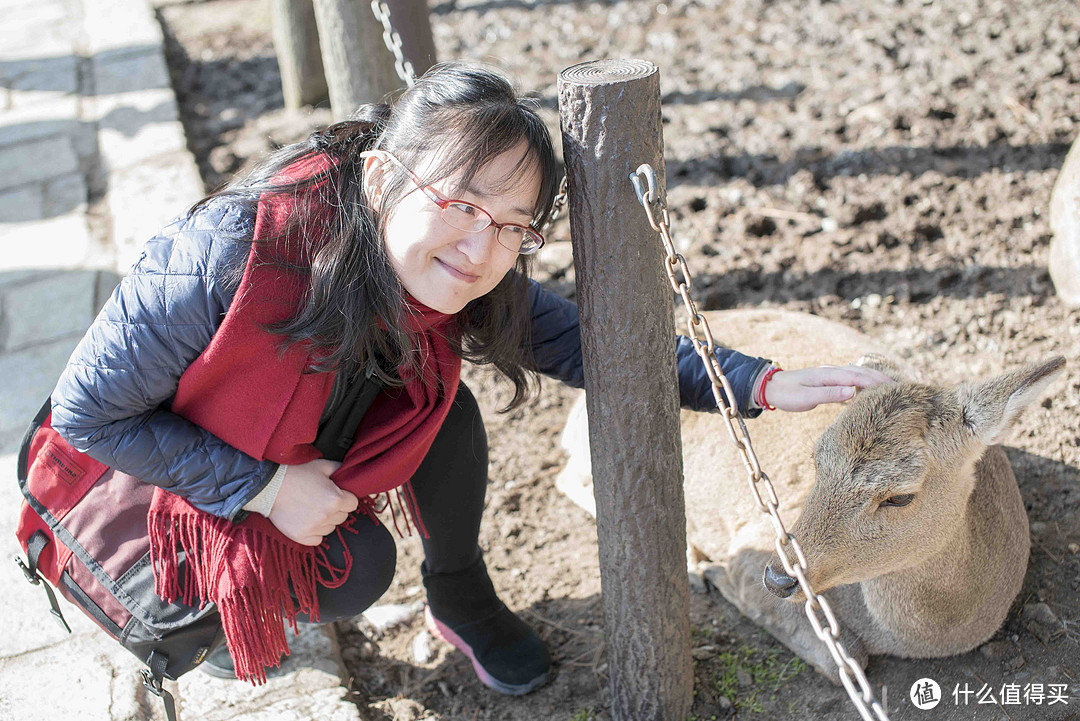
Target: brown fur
<point x="932" y="578"/>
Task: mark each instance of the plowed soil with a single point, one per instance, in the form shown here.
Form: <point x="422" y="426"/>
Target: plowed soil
<point x="885" y="164"/>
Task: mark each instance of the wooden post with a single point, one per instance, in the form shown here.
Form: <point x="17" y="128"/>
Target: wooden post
<point x="359" y="68"/>
<point x="296" y="40"/>
<point x="412" y="21"/>
<point x="610" y="114"/>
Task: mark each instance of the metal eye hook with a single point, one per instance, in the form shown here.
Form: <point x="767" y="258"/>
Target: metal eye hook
<point x="652" y="194"/>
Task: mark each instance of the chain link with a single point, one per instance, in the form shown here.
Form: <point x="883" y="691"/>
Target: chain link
<point x="557" y="206"/>
<point x="390" y="36"/>
<point x="825" y="625"/>
<point x="698" y="327"/>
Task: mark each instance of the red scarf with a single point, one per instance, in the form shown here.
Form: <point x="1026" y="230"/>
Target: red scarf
<point x="241" y="390"/>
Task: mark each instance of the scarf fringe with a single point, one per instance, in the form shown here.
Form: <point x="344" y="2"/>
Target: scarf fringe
<point x="383" y="504"/>
<point x="252" y="615"/>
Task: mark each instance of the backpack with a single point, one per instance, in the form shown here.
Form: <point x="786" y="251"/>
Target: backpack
<point x="82" y="525"/>
<point x="99" y="559"/>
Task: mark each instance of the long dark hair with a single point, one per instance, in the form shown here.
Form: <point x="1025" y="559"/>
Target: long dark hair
<point x="463" y="116"/>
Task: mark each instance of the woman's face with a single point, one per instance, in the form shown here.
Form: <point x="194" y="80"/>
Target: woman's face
<point x="443" y="267"/>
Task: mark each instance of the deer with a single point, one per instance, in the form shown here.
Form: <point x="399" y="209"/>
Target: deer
<point x="903" y="502"/>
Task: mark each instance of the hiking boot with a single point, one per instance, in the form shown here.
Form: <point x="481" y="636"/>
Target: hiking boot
<point x="219" y="663"/>
<point x="463" y="610"/>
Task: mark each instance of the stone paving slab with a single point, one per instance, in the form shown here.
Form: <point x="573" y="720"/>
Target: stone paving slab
<point x="79" y="673"/>
<point x="306" y="686"/>
<point x="42" y="81"/>
<point x="118" y="25"/>
<point x="62" y="242"/>
<point x="143" y="198"/>
<point x="93" y="162"/>
<point x="27" y="321"/>
<point x="32" y="373"/>
<point x="45" y="41"/>
<point x="36" y="160"/>
<point x="58" y="116"/>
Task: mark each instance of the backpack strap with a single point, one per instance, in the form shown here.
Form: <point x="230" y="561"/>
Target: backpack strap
<point x="337" y="431"/>
<point x="152" y="678"/>
<point x="34" y="546"/>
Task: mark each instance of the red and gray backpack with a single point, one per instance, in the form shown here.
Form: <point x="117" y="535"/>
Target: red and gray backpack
<point x="83" y="527"/>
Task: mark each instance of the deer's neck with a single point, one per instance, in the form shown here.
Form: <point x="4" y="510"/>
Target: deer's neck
<point x="949" y="598"/>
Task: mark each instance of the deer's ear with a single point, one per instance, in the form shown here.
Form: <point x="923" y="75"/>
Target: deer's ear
<point x="878" y="362"/>
<point x="991" y="407"/>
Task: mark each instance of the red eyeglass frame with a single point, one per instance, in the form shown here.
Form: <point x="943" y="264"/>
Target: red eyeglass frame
<point x="442" y="202"/>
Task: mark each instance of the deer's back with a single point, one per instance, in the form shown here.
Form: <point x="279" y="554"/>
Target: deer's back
<point x="723" y="518"/>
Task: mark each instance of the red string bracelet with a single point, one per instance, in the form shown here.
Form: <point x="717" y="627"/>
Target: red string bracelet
<point x="761" y="389"/>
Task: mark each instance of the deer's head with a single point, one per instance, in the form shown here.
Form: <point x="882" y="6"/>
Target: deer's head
<point x="895" y="472"/>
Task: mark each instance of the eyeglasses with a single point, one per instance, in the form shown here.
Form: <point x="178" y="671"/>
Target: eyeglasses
<point x="463" y="215"/>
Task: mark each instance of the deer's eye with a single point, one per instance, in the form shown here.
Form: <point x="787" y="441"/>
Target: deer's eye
<point x="901" y="500"/>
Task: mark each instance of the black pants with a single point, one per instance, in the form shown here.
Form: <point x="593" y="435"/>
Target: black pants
<point x="449" y="487"/>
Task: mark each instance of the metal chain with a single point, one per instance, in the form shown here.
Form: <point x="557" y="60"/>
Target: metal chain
<point x="825" y="625"/>
<point x="390" y="36"/>
<point x="557" y="205"/>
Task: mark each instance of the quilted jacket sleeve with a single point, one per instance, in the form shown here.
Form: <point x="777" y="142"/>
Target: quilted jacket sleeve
<point x="112" y="400"/>
<point x="556" y="346"/>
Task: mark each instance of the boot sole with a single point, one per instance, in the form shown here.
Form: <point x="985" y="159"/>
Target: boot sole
<point x="444" y="633"/>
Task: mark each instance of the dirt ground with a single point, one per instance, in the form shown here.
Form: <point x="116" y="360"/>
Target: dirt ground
<point x="885" y="164"/>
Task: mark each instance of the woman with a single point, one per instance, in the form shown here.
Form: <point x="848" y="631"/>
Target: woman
<point x="285" y="358"/>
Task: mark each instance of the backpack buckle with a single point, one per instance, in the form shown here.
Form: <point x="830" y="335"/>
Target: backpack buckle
<point x="31" y="576"/>
<point x="35" y="579"/>
<point x="152" y="677"/>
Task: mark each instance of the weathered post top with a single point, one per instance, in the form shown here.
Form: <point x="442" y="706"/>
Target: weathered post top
<point x="608" y="72"/>
<point x="610" y="114"/>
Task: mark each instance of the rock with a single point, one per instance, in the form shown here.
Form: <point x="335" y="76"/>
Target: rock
<point x="1041" y="622"/>
<point x="400" y="709"/>
<point x="995" y="649"/>
<point x="743" y="678"/>
<point x="1074" y="548"/>
<point x="367" y="650"/>
<point x="1064" y="262"/>
<point x="383" y="618"/>
<point x="1039" y="613"/>
<point x="701" y="653"/>
<point x="421" y="648"/>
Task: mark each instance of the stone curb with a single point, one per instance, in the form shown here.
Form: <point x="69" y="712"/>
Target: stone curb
<point x="93" y="162"/>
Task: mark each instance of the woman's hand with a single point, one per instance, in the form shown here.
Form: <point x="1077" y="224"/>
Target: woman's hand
<point x="309" y="505"/>
<point x="806" y="388"/>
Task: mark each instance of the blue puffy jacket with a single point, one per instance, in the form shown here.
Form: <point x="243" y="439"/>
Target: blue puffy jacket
<point x="112" y="401"/>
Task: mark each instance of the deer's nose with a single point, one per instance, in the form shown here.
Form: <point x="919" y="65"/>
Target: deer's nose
<point x="779" y="583"/>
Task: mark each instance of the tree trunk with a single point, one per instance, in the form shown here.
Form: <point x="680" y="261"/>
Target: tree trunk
<point x="359" y="68"/>
<point x="610" y="113"/>
<point x="412" y="21"/>
<point x="296" y="40"/>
